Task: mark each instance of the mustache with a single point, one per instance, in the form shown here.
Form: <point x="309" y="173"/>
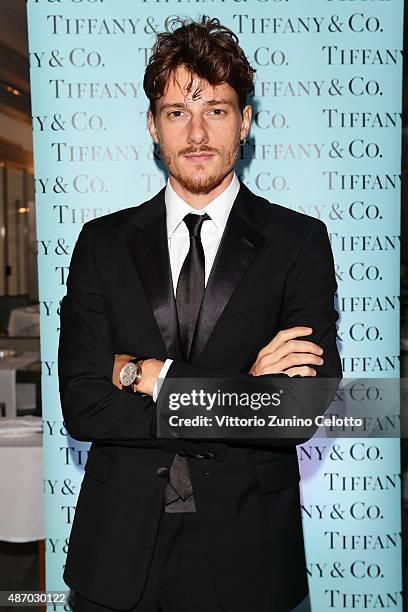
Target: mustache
<point x="203" y="149"/>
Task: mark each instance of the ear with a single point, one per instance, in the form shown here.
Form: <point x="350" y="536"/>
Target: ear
<point x="152" y="127"/>
<point x="246" y="122"/>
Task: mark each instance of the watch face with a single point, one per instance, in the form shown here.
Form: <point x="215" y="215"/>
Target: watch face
<point x="127" y="374"/>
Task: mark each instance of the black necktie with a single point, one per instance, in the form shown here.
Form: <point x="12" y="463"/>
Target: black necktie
<point x="191" y="282"/>
<point x="179" y="496"/>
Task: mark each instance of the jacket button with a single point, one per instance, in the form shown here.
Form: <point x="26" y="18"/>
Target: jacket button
<point x="209" y="455"/>
<point x="163" y="472"/>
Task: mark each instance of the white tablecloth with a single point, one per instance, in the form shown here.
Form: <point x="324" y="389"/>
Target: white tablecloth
<point x="24" y="321"/>
<point x="8" y="367"/>
<point x="22" y="488"/>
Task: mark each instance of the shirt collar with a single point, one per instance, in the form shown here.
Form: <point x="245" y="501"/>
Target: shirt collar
<point x="218" y="209"/>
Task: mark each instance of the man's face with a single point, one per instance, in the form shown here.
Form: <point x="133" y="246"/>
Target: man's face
<point x="198" y="131"/>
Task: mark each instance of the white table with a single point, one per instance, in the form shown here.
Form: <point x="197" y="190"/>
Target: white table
<point x="24" y="321"/>
<point x="22" y="488"/>
<point x="8" y="388"/>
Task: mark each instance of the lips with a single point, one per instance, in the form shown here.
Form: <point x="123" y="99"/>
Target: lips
<point x="199" y="157"/>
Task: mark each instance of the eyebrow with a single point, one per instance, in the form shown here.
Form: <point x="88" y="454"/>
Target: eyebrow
<point x="206" y="103"/>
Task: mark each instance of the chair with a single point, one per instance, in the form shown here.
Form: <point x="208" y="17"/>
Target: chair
<point x="7" y="303"/>
<point x="26" y="378"/>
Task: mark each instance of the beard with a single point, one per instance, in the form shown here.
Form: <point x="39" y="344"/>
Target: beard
<point x="201" y="185"/>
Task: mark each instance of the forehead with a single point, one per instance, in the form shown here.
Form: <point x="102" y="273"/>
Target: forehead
<point x="183" y="86"/>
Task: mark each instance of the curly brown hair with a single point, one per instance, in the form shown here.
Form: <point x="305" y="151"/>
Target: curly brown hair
<point x="207" y="49"/>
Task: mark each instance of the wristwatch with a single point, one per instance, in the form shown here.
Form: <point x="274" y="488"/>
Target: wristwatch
<point x="131" y="375"/>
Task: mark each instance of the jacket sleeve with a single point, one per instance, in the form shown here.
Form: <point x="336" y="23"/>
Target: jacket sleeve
<point x="309" y="298"/>
<point x="94" y="409"/>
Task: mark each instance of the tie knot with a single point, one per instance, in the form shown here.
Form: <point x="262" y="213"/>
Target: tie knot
<point x="194" y="223"/>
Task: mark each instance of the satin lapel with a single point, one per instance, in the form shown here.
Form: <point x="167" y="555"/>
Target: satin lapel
<point x="148" y="246"/>
<point x="240" y="245"/>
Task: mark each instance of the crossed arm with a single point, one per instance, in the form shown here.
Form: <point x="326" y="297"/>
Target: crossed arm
<point x="94" y="409"/>
<point x="284" y="354"/>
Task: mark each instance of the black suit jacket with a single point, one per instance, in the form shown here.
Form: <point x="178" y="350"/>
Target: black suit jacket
<point x="273" y="270"/>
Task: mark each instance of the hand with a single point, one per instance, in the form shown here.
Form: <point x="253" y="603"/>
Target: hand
<point x="150" y="372"/>
<point x="285" y="354"/>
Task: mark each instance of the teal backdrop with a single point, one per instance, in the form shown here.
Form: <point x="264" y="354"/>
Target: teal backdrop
<point x="325" y="141"/>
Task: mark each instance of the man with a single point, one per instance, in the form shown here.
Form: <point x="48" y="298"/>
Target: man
<point x="204" y="280"/>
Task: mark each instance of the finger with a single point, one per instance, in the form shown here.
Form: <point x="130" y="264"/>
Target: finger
<point x="301" y="371"/>
<point x="115" y="373"/>
<point x="277" y="356"/>
<point x="294" y="332"/>
<point x="299" y="359"/>
<point x="294" y="359"/>
<point x="296" y="346"/>
<point x="115" y="378"/>
<point x="284" y="336"/>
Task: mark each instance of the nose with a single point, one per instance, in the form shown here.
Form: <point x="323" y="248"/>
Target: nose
<point x="197" y="132"/>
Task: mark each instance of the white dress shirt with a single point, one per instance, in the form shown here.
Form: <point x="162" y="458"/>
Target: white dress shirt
<point x="179" y="238"/>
